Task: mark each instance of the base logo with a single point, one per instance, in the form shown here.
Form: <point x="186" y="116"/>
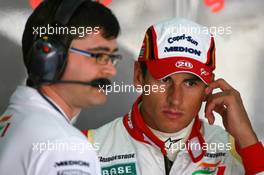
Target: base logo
<point x="120" y="169"/>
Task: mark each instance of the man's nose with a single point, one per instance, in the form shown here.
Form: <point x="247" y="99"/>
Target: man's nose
<point x="175" y="96"/>
<point x="109" y="70"/>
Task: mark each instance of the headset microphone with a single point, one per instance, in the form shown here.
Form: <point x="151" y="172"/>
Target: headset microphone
<point x="102" y="83"/>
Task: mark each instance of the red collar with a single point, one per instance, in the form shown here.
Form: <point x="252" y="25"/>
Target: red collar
<point x="137" y="129"/>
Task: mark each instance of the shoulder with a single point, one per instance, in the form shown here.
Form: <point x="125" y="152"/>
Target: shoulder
<point x="217" y="135"/>
<point x="108" y="130"/>
<point x="38" y="125"/>
<point x="109" y="137"/>
<point x="64" y="154"/>
<point x="214" y="133"/>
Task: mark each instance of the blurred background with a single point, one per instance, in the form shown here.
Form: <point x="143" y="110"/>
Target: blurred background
<point x="239" y="52"/>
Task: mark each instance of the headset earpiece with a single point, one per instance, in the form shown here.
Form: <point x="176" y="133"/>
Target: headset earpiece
<point x="48" y="60"/>
<point x="48" y="55"/>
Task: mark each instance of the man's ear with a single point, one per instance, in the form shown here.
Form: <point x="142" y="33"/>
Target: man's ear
<point x="138" y="77"/>
<point x="206" y="95"/>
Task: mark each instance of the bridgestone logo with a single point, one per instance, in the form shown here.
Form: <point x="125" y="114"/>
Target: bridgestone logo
<point x="116" y="157"/>
<point x="182" y="49"/>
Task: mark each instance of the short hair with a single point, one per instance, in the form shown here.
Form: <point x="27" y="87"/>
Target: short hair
<point x="88" y="14"/>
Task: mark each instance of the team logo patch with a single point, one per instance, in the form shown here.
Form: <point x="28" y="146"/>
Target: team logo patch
<point x="120" y="169"/>
<point x="206" y="168"/>
<point x="4" y="124"/>
<point x="184" y="64"/>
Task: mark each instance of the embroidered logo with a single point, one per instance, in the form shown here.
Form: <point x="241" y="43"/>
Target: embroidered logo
<point x="120" y="169"/>
<point x="206" y="168"/>
<point x="4" y="124"/>
<point x="169" y="142"/>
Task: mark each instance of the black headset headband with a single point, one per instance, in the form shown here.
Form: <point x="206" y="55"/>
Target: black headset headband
<point x="66" y="10"/>
<point x="48" y="56"/>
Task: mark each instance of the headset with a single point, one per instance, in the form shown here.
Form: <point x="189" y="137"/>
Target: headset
<point x="48" y="55"/>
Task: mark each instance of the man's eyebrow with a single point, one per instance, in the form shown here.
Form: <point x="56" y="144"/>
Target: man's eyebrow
<point x="193" y="78"/>
<point x="105" y="49"/>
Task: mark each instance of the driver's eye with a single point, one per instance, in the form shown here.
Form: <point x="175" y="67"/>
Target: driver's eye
<point x="166" y="80"/>
<point x="190" y="83"/>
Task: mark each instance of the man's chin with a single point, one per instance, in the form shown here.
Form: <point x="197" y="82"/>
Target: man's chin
<point x="170" y="128"/>
<point x="97" y="97"/>
<point x="100" y="99"/>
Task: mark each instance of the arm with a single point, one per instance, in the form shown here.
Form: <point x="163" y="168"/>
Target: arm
<point x="229" y="105"/>
<point x="67" y="156"/>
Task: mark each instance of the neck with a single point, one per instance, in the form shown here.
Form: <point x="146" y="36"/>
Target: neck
<point x="184" y="133"/>
<point x="173" y="141"/>
<point x="61" y="100"/>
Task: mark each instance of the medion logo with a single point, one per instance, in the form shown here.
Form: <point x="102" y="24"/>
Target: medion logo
<point x="71" y="163"/>
<point x="182" y="49"/>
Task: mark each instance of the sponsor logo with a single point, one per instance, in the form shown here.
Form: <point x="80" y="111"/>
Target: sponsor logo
<point x="204" y="72"/>
<point x="117" y="157"/>
<point x="215" y="155"/>
<point x="120" y="169"/>
<point x="182" y="37"/>
<point x="183" y="49"/>
<point x="4" y="124"/>
<point x="184" y="64"/>
<point x="71" y="163"/>
<point x="72" y="172"/>
<point x="206" y="168"/>
<point x="169" y="142"/>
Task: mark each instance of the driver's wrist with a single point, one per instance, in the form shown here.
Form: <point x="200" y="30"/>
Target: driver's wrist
<point x="247" y="139"/>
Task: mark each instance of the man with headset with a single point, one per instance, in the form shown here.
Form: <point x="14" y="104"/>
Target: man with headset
<point x="162" y="134"/>
<point x="65" y="71"/>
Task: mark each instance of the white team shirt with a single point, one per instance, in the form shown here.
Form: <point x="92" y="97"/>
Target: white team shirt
<point x="35" y="139"/>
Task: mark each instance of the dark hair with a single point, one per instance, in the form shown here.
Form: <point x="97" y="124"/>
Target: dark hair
<point x="88" y="14"/>
<point x="143" y="67"/>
